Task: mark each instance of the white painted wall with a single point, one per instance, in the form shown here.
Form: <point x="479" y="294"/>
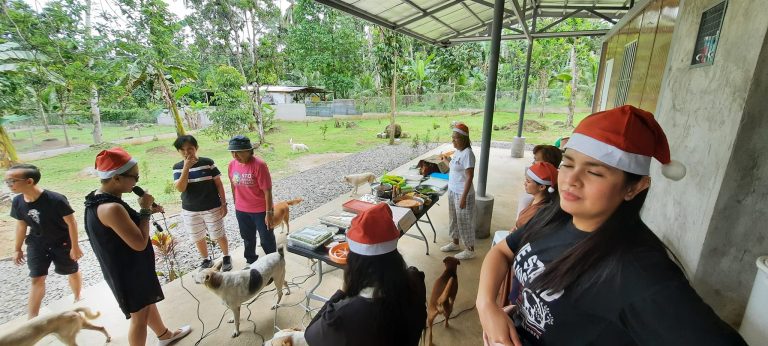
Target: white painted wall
<point x="291" y="111"/>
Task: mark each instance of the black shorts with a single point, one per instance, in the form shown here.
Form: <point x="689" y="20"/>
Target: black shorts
<point x="40" y="256"/>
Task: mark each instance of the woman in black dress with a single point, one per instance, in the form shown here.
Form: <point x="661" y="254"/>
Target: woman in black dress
<point x="120" y="239"/>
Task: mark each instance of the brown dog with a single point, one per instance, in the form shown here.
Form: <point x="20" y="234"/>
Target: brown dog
<point x="282" y="213"/>
<point x="443" y="295"/>
<point x="65" y="324"/>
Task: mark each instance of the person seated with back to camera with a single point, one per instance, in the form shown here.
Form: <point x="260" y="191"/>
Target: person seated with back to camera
<point x="382" y="302"/>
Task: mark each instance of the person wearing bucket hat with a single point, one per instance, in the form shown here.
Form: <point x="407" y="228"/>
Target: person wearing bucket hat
<point x="461" y="195"/>
<point x="382" y="302"/>
<point x="251" y="186"/>
<point x="120" y="238"/>
<point x="590" y="270"/>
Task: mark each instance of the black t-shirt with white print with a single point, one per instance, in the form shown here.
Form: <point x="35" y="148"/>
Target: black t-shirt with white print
<point x="645" y="301"/>
<point x="44" y="216"/>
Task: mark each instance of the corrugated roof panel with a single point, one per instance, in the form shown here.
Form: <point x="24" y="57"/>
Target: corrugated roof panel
<point x="377" y="7"/>
<point x="400" y="11"/>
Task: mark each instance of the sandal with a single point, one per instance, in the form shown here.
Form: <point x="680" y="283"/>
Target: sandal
<point x="180" y="333"/>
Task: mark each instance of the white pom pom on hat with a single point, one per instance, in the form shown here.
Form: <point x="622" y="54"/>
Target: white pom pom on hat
<point x="626" y="138"/>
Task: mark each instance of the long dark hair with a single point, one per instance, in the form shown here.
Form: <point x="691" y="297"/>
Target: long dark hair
<point x="623" y="231"/>
<point x="388" y="276"/>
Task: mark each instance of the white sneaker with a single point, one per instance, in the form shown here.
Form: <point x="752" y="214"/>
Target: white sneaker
<point x="465" y="255"/>
<point x="450" y="247"/>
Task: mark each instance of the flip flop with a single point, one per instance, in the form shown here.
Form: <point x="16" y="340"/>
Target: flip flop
<point x="183" y="331"/>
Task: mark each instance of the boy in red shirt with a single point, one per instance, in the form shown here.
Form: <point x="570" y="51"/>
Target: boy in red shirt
<point x="252" y="190"/>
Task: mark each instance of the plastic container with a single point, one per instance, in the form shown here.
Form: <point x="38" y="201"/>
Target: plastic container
<point x="443" y="176"/>
<point x="356" y="206"/>
<point x="754" y="326"/>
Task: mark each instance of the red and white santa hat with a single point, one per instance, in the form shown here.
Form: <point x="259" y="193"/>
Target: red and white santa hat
<point x="461" y="129"/>
<point x="625" y="138"/>
<point x="543" y="173"/>
<point x="112" y="162"/>
<point x="373" y="232"/>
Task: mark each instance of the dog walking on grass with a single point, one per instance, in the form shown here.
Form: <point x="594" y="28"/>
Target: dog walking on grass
<point x="443" y="296"/>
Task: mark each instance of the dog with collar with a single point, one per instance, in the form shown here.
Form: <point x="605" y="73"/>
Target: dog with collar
<point x="237" y="287"/>
<point x="65" y="325"/>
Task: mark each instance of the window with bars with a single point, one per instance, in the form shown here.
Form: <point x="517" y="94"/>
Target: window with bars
<point x="709" y="33"/>
<point x="625" y="75"/>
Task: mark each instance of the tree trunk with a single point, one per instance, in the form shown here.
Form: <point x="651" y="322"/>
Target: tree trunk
<point x="95" y="111"/>
<point x="10" y="157"/>
<point x="393" y="101"/>
<point x="64" y="126"/>
<point x="168" y="97"/>
<point x="42" y="114"/>
<point x="574" y="82"/>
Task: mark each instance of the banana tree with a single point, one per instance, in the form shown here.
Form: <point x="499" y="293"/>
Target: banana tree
<point x="9" y="156"/>
<point x="141" y="71"/>
<point x="419" y="72"/>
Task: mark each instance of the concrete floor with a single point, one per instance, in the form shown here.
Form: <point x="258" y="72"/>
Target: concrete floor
<point x="505" y="178"/>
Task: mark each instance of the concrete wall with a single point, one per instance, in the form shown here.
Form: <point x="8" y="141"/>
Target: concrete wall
<point x="707" y="218"/>
<point x="290" y="111"/>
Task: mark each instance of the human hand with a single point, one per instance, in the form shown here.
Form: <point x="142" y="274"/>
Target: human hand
<point x="75" y="253"/>
<point x="146" y="200"/>
<point x="189" y="161"/>
<point x="156" y="208"/>
<point x="223" y="210"/>
<point x="268" y="221"/>
<point x="18" y="258"/>
<point x="498" y="328"/>
<point x="463" y="203"/>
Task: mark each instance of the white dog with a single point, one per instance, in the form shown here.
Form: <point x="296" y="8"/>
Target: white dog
<point x="359" y="179"/>
<point x="65" y="324"/>
<point x="237" y="287"/>
<point x="298" y="146"/>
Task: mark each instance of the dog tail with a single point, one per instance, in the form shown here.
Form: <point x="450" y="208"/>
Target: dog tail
<point x="295" y="201"/>
<point x="445" y="295"/>
<point x="88" y="314"/>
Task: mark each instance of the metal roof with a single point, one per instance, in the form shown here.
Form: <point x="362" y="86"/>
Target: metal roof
<point x="447" y="22"/>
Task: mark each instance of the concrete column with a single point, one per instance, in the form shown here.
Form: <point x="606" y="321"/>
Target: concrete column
<point x="518" y="147"/>
<point x="483" y="215"/>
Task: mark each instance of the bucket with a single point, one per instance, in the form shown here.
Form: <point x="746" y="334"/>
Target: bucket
<point x="754" y="326"/>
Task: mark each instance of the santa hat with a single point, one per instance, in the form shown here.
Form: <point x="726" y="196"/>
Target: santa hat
<point x="461" y="129"/>
<point x="625" y="138"/>
<point x="112" y="162"/>
<point x="373" y="232"/>
<point x="543" y="173"/>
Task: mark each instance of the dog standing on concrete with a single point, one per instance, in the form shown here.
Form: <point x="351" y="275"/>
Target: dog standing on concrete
<point x="298" y="146"/>
<point x="237" y="287"/>
<point x="281" y="213"/>
<point x="65" y="324"/>
<point x="443" y="295"/>
<point x="359" y="179"/>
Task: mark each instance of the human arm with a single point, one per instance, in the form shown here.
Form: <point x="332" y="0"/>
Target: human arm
<point x="75" y="253"/>
<point x="326" y="328"/>
<point x="115" y="216"/>
<point x="497" y="326"/>
<point x="183" y="180"/>
<point x="222" y="195"/>
<point x="470" y="172"/>
<point x="270" y="208"/>
<point x="21" y="234"/>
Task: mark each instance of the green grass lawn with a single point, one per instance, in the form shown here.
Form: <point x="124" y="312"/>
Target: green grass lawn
<point x="35" y="139"/>
<point x="66" y="173"/>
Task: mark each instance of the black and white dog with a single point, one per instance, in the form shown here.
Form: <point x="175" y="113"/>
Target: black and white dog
<point x="237" y="287"/>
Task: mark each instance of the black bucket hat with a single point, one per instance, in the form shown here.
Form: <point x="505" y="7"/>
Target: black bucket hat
<point x="239" y="142"/>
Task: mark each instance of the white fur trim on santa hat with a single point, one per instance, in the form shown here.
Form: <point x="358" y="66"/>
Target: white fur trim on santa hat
<point x="124" y="168"/>
<point x="460" y="131"/>
<point x="372" y="249"/>
<point x="610" y="155"/>
<point x="535" y="178"/>
<point x="674" y="170"/>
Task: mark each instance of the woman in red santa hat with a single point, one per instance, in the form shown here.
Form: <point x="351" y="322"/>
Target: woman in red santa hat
<point x="382" y="302"/>
<point x="591" y="271"/>
<point x="119" y="236"/>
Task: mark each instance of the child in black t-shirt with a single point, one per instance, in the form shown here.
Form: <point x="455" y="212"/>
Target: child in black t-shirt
<point x="203" y="202"/>
<point x="52" y="233"/>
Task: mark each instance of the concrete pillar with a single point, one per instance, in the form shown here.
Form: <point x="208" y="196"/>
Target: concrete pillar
<point x="483" y="216"/>
<point x="518" y="147"/>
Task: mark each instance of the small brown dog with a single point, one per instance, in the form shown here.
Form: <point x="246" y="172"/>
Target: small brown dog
<point x="65" y="324"/>
<point x="282" y="213"/>
<point x="443" y="295"/>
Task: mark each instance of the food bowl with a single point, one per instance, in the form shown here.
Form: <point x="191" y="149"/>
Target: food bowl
<point x="338" y="253"/>
<point x="381" y="190"/>
<point x="414" y="203"/>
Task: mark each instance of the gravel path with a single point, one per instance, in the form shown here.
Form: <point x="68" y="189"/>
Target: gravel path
<point x="317" y="186"/>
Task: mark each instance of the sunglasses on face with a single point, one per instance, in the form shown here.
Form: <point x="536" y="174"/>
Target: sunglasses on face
<point x="12" y="181"/>
<point x="136" y="177"/>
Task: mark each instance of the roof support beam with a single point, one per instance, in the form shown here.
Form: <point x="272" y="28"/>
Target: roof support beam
<point x="604" y="17"/>
<point x="490" y="5"/>
<point x="569" y="15"/>
<point x="428" y="13"/>
<point x="409" y="2"/>
<point x="538" y="35"/>
<point x="472" y="12"/>
<point x="472" y="29"/>
<point x="574" y="7"/>
<point x="521" y="19"/>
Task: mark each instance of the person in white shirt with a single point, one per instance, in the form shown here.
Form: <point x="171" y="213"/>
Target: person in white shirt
<point x="461" y="195"/>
